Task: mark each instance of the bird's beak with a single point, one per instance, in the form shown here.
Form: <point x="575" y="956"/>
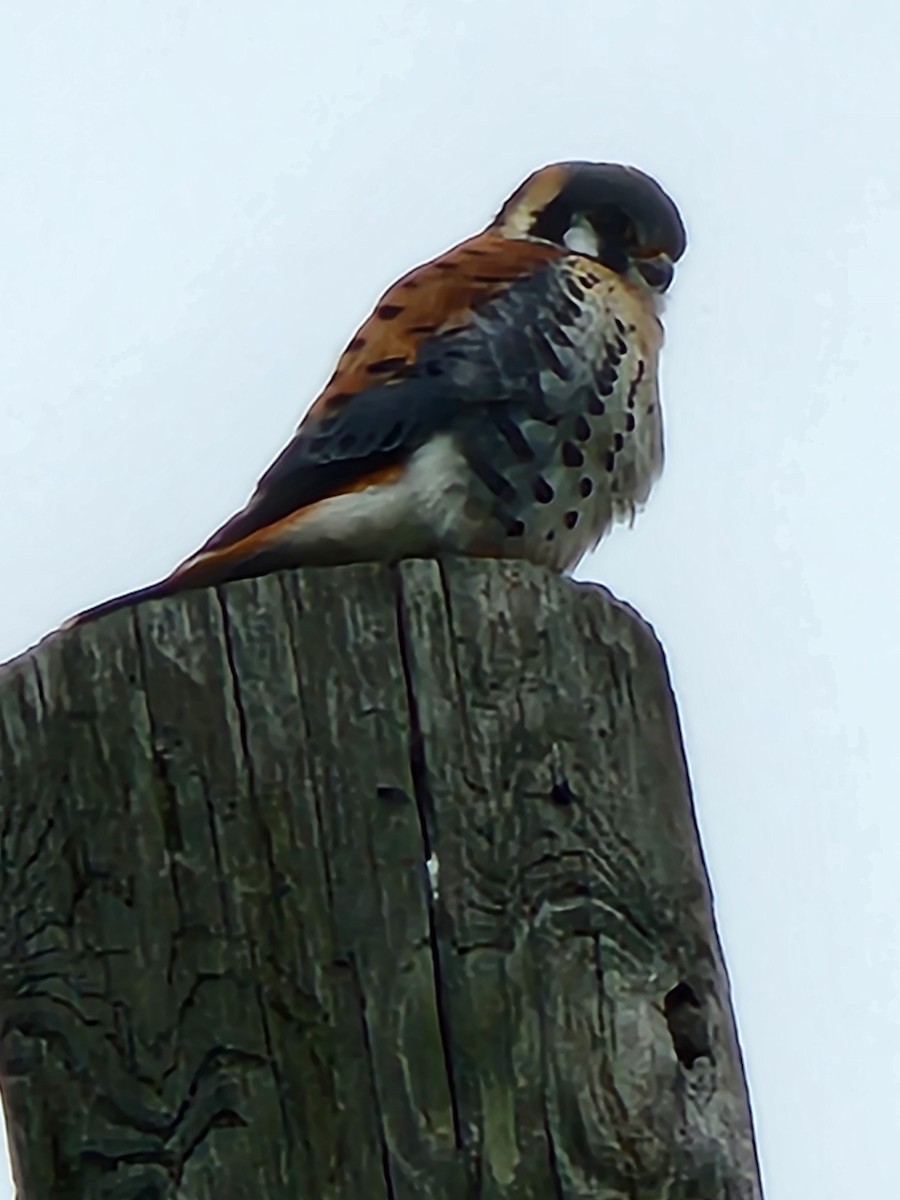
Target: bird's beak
<point x="656" y="269"/>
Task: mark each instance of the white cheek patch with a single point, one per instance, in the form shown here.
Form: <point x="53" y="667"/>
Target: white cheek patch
<point x="581" y="237"/>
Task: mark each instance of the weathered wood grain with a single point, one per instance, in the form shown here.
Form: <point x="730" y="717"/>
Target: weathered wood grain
<point x="225" y="972"/>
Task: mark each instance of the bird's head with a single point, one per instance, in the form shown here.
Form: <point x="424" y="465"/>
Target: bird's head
<point x="616" y="214"/>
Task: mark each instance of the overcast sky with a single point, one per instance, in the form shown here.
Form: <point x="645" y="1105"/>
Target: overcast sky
<point x="201" y="200"/>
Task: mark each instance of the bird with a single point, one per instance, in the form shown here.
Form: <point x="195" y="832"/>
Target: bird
<point x="501" y="400"/>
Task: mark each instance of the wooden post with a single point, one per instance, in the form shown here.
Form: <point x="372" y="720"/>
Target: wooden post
<point x="361" y="884"/>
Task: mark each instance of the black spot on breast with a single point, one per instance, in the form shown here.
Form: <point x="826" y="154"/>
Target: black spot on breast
<point x="618" y="441"/>
<point x="606" y="375"/>
<point x="586" y="486"/>
<point x="537" y="403"/>
<point x="635" y="384"/>
<point x="575" y="291"/>
<point x="606" y="387"/>
<point x="496" y="483"/>
<point x="571" y="455"/>
<point x="543" y="492"/>
<point x="514" y="436"/>
<point x="388" y="312"/>
<point x="621" y="345"/>
<point x="571" y="519"/>
<point x="610" y="461"/>
<point x="620" y="325"/>
<point x="550" y="535"/>
<point x="595" y="405"/>
<point x="582" y="428"/>
<point x="629" y="421"/>
<point x="561" y="338"/>
<point x="567" y="310"/>
<point x="515" y="528"/>
<point x="550" y="355"/>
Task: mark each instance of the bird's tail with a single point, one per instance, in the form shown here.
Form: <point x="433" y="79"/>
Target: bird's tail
<point x="155" y="591"/>
<point x="203" y="569"/>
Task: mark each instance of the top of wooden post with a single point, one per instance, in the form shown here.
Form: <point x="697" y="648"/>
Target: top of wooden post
<point x="227" y="970"/>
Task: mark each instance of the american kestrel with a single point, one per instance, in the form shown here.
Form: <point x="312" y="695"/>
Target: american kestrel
<point x="501" y="401"/>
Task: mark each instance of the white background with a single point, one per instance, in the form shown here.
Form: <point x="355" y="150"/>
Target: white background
<point x="201" y="200"/>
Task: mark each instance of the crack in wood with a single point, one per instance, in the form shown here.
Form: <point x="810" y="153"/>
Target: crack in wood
<point x="425" y="808"/>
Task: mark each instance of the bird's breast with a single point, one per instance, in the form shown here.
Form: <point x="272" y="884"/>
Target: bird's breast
<point x="574" y="440"/>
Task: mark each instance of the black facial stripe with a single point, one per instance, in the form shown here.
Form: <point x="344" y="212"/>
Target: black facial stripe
<point x="615" y="256"/>
<point x="553" y="222"/>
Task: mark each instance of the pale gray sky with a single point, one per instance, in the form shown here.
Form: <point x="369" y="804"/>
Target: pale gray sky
<point x="201" y="200"/>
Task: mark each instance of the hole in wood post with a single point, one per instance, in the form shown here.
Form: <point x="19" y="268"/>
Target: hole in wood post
<point x="562" y="794"/>
<point x="686" y="1020"/>
<point x="391" y="794"/>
